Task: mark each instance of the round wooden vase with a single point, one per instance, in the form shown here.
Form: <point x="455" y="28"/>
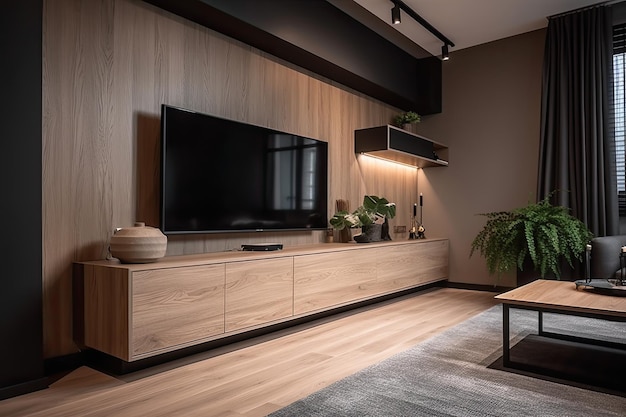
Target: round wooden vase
<point x="138" y="245"/>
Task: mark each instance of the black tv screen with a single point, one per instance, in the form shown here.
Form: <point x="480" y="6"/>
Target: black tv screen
<point x="220" y="175"/>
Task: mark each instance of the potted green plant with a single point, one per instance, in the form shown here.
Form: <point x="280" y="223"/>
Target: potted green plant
<point x="370" y="217"/>
<point x="540" y="234"/>
<point x="406" y="118"/>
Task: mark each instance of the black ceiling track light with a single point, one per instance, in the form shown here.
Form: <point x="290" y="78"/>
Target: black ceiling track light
<point x="400" y="5"/>
<point x="445" y="54"/>
<point x="395" y="14"/>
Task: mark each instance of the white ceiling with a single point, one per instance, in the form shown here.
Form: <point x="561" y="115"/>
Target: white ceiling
<point x="472" y="22"/>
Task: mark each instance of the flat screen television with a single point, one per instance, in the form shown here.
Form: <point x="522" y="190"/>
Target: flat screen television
<point x="220" y="175"/>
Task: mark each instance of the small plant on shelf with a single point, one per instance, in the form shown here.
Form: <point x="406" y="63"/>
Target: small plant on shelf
<point x="405" y="118"/>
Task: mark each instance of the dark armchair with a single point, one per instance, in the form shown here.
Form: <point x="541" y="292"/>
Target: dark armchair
<point x="604" y="256"/>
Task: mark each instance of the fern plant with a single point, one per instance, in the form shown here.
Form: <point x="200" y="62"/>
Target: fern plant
<point x="544" y="233"/>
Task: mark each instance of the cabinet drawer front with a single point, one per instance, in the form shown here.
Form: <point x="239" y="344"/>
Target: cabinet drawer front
<point x="174" y="306"/>
<point x="258" y="292"/>
<point x="328" y="279"/>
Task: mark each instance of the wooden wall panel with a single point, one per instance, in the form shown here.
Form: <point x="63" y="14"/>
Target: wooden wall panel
<point x="108" y="67"/>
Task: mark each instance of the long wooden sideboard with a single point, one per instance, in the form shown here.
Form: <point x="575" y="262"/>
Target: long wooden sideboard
<point x="137" y="311"/>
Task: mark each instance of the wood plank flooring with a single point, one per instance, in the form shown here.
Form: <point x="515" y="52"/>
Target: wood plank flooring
<point x="258" y="376"/>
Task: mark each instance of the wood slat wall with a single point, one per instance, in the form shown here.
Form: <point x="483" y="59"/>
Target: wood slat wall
<point x="108" y="66"/>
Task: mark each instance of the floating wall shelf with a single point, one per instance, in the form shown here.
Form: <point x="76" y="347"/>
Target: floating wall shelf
<point x="397" y="145"/>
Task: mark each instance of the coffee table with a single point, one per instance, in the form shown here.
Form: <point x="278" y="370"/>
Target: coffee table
<point x="560" y="297"/>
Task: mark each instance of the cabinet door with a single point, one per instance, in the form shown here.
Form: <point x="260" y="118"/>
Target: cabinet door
<point x="326" y="280"/>
<point x="329" y="279"/>
<point x="433" y="261"/>
<point x="405" y="266"/>
<point x="258" y="292"/>
<point x="176" y="306"/>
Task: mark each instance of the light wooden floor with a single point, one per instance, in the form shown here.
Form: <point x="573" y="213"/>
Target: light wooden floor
<point x="254" y="378"/>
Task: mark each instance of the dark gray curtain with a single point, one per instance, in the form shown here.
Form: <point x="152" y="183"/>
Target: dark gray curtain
<point x="577" y="157"/>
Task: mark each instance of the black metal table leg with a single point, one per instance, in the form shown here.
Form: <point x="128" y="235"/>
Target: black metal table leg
<point x="622" y="278"/>
<point x="506" y="360"/>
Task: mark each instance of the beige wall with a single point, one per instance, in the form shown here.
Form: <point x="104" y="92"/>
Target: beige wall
<point x="109" y="64"/>
<point x="491" y="122"/>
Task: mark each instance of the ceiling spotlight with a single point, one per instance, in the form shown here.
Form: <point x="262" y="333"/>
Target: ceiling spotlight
<point x="395" y="19"/>
<point x="395" y="14"/>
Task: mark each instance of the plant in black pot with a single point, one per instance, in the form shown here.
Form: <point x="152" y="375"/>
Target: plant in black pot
<point x="371" y="217"/>
<point x="406" y="118"/>
<point x="540" y="235"/>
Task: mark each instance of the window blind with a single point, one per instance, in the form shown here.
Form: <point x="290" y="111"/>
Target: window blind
<point x="618" y="111"/>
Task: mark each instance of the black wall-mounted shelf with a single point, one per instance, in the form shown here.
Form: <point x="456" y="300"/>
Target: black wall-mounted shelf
<point x="397" y="145"/>
<point x="321" y="38"/>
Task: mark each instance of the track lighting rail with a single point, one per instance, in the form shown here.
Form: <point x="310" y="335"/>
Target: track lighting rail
<point x="419" y="19"/>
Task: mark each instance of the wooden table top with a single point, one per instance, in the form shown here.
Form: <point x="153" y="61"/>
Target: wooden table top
<point x="563" y="295"/>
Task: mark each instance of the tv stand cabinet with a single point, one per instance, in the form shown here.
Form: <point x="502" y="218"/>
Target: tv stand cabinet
<point x="137" y="311"/>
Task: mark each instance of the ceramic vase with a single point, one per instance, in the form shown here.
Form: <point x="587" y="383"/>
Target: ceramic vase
<point x="138" y="244"/>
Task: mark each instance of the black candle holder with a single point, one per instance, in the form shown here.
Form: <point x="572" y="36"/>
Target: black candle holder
<point x="421" y="232"/>
<point x="420" y="227"/>
<point x="417" y="229"/>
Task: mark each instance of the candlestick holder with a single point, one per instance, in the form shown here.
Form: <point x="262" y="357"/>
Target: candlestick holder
<point x="417" y="228"/>
<point x="420" y="227"/>
<point x="413" y="231"/>
<point x="420" y="232"/>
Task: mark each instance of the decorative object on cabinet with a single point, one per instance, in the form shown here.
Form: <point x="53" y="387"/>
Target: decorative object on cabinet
<point x="394" y="144"/>
<point x="370" y="233"/>
<point x="138" y="244"/>
<point x="418" y="229"/>
<point x="370" y="217"/>
<point x="344" y="234"/>
<point x="406" y="118"/>
<point x="420" y="232"/>
<point x="539" y="232"/>
<point x="413" y="231"/>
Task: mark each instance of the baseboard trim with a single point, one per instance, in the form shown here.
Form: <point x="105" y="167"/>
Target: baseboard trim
<point x="23" y="388"/>
<point x="478" y="287"/>
<point x="64" y="363"/>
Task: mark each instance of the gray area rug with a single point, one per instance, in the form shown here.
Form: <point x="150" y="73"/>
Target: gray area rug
<point x="449" y="375"/>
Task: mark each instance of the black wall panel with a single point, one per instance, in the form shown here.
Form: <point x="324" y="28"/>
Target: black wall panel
<point x="319" y="37"/>
<point x="21" y="349"/>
